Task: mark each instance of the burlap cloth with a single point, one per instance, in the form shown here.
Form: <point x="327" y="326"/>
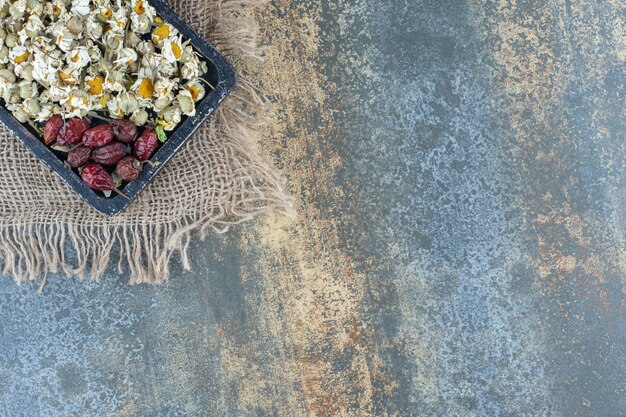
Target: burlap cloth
<point x="217" y="180"/>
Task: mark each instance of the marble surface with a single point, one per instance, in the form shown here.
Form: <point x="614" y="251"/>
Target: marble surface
<point x="458" y="169"/>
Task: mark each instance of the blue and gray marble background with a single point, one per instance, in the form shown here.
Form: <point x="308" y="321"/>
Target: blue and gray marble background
<point x="459" y="173"/>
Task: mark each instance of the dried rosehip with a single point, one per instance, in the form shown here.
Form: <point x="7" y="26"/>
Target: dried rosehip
<point x="72" y="131"/>
<point x="78" y="157"/>
<point x="51" y="129"/>
<point x="128" y="168"/>
<point x="124" y="130"/>
<point x="110" y="154"/>
<point x="98" y="178"/>
<point x="98" y="136"/>
<point x="146" y="144"/>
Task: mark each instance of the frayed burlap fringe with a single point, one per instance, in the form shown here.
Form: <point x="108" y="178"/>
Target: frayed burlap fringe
<point x="217" y="180"/>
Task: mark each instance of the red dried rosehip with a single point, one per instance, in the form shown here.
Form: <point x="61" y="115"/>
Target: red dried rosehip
<point x="125" y="130"/>
<point x="128" y="168"/>
<point x="51" y="129"/>
<point x="72" y="131"/>
<point x="146" y="144"/>
<point x="98" y="136"/>
<point x="110" y="154"/>
<point x="78" y="157"/>
<point x="98" y="178"/>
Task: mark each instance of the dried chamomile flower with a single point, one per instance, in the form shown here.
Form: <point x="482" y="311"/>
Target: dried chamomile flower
<point x="196" y="89"/>
<point x="20" y="113"/>
<point x="128" y="102"/>
<point x="145" y="48"/>
<point x="186" y="103"/>
<point x="7" y="81"/>
<point x="42" y="43"/>
<point x="27" y="89"/>
<point x="17" y="9"/>
<point x="113" y="40"/>
<point x="93" y="28"/>
<point x="143" y="87"/>
<point x="163" y="102"/>
<point x="172" y="49"/>
<point x="15" y="97"/>
<point x="32" y="106"/>
<point x="18" y="54"/>
<point x="10" y="40"/>
<point x="94" y="52"/>
<point x="32" y="28"/>
<point x="59" y="9"/>
<point x="141" y="23"/>
<point x="163" y="32"/>
<point x="139" y="117"/>
<point x="75" y="25"/>
<point x="45" y="69"/>
<point x="4" y="55"/>
<point x="77" y="103"/>
<point x="113" y="105"/>
<point x="81" y="7"/>
<point x="118" y="20"/>
<point x="63" y="38"/>
<point x="204" y="68"/>
<point x="59" y="94"/>
<point x="44" y="97"/>
<point x="152" y="65"/>
<point x="78" y="58"/>
<point x="168" y="69"/>
<point x="70" y="75"/>
<point x="125" y="57"/>
<point x="170" y="117"/>
<point x="165" y="86"/>
<point x="113" y="83"/>
<point x="132" y="40"/>
<point x="190" y="70"/>
<point x="141" y="7"/>
<point x="94" y="85"/>
<point x="104" y="64"/>
<point x="24" y="71"/>
<point x="116" y="75"/>
<point x="44" y="113"/>
<point x="34" y="7"/>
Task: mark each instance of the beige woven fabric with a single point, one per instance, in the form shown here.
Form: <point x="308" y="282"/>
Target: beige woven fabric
<point x="217" y="179"/>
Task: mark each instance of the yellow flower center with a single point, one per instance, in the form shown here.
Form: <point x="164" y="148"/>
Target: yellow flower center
<point x="95" y="86"/>
<point x="40" y="43"/>
<point x="76" y="57"/>
<point x="195" y="91"/>
<point x="139" y="9"/>
<point x="56" y="10"/>
<point x="106" y="13"/>
<point x="176" y="51"/>
<point x="161" y="33"/>
<point x="146" y="89"/>
<point x="67" y="78"/>
<point x="22" y="58"/>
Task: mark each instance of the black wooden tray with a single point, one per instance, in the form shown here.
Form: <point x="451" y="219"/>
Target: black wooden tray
<point x="221" y="75"/>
